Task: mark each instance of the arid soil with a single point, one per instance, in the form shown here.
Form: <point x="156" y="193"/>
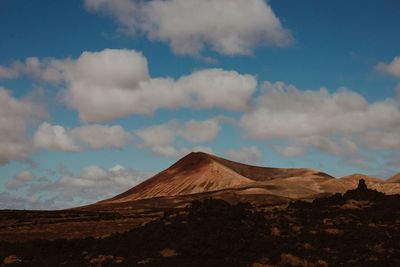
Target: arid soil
<point x="359" y="228"/>
<point x="19" y="225"/>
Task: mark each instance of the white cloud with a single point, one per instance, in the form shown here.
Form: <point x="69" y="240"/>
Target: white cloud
<point x="285" y="112"/>
<point x="326" y="144"/>
<point x="93" y="183"/>
<point x="55" y="137"/>
<point x="49" y="70"/>
<point x="10" y="201"/>
<point x="20" y="179"/>
<point x="8" y="72"/>
<point x="161" y="138"/>
<point x="100" y="136"/>
<point x="231" y="27"/>
<point x="381" y="139"/>
<point x="330" y="145"/>
<point x="15" y="117"/>
<point x="200" y="131"/>
<point x="124" y="11"/>
<point x="398" y="93"/>
<point x="392" y="68"/>
<point x="340" y="123"/>
<point x="249" y="155"/>
<point x="158" y="135"/>
<point x="115" y="83"/>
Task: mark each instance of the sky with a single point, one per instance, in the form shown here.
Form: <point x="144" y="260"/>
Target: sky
<point x="98" y="95"/>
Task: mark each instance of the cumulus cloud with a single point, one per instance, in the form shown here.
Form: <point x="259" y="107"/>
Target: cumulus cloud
<point x="249" y="155"/>
<point x="344" y="146"/>
<point x="100" y="136"/>
<point x="91" y="184"/>
<point x="94" y="182"/>
<point x="125" y="12"/>
<point x="133" y="92"/>
<point x="381" y="139"/>
<point x="283" y="111"/>
<point x="337" y="123"/>
<point x="230" y="27"/>
<point x="8" y="72"/>
<point x="20" y="179"/>
<point x="116" y="83"/>
<point x="161" y="138"/>
<point x="56" y="137"/>
<point x="10" y="201"/>
<point x="200" y="131"/>
<point x="392" y="68"/>
<point x="398" y="93"/>
<point x="49" y="70"/>
<point x="15" y="117"/>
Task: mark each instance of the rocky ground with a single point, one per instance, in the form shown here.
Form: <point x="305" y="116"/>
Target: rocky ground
<point x="359" y="228"/>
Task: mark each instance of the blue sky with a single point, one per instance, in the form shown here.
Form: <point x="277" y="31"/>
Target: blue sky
<point x="97" y="95"/>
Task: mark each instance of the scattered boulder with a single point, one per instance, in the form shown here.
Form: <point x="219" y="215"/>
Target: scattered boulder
<point x="169" y="252"/>
<point x="11" y="259"/>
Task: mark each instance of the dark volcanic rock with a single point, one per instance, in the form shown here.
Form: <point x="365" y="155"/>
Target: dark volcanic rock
<point x="363" y="193"/>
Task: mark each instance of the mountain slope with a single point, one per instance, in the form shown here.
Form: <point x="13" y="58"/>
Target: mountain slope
<point x="394" y="179"/>
<point x="266" y="173"/>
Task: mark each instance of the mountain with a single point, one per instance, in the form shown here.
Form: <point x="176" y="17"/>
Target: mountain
<point x="200" y="173"/>
<point x="394" y="179"/>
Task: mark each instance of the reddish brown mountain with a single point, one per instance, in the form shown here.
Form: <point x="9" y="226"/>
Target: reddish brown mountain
<point x="394" y="179"/>
<point x="200" y="173"/>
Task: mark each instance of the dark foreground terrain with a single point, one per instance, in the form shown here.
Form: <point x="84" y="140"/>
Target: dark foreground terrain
<point x="359" y="228"/>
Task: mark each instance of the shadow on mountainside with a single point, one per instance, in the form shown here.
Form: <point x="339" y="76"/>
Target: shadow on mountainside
<point x="359" y="228"/>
